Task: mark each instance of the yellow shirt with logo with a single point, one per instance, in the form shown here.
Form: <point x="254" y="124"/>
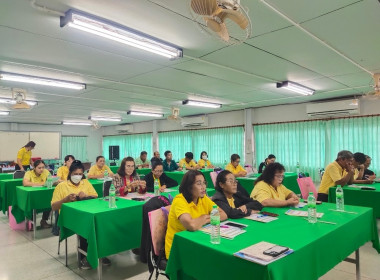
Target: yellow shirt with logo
<point x="235" y="170"/>
<point x="63" y="172"/>
<point x="333" y="172"/>
<point x="34" y="178"/>
<point x="94" y="170"/>
<point x="24" y="155"/>
<point x="191" y="164"/>
<point x="201" y="163"/>
<point x="181" y="206"/>
<point x="263" y="191"/>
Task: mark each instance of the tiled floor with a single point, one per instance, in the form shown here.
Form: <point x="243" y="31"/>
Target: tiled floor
<point x="24" y="258"/>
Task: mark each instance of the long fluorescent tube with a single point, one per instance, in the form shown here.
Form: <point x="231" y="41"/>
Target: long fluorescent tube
<point x="295" y="88"/>
<point x="12" y="101"/>
<point x="118" y="33"/>
<point x="4" y="113"/>
<point x="201" y="104"/>
<point x="106" y="119"/>
<point x="40" y="81"/>
<point x="76" y="123"/>
<point x="146" y="114"/>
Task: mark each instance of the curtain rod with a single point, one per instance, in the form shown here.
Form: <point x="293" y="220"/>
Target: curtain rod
<point x="314" y="120"/>
<point x="206" y="128"/>
<point x="126" y="134"/>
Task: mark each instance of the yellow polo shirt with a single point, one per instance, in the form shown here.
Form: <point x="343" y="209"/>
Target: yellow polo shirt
<point x="159" y="182"/>
<point x="63" y="172"/>
<point x="65" y="188"/>
<point x="94" y="170"/>
<point x="231" y="202"/>
<point x="201" y="163"/>
<point x="188" y="165"/>
<point x="32" y="176"/>
<point x="263" y="191"/>
<point x="233" y="169"/>
<point x="181" y="206"/>
<point x="333" y="172"/>
<point x="24" y="155"/>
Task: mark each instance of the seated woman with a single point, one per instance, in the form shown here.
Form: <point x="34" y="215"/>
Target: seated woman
<point x="270" y="191"/>
<point x="163" y="180"/>
<point x="75" y="188"/>
<point x="270" y="159"/>
<point x="126" y="179"/>
<point x="190" y="209"/>
<point x="203" y="160"/>
<point x="97" y="171"/>
<point x="235" y="167"/>
<point x="63" y="171"/>
<point x="231" y="200"/>
<point x="37" y="178"/>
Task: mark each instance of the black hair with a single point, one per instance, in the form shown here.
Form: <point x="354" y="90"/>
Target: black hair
<point x="271" y="156"/>
<point x="121" y="170"/>
<point x="189" y="155"/>
<point x="221" y="178"/>
<point x="99" y="157"/>
<point x="360" y="157"/>
<point x="30" y="144"/>
<point x="203" y="152"/>
<point x="75" y="165"/>
<point x="268" y="174"/>
<point x="167" y="152"/>
<point x="67" y="158"/>
<point x="38" y="162"/>
<point x="143" y="153"/>
<point x="187" y="183"/>
<point x="156" y="163"/>
<point x="234" y="157"/>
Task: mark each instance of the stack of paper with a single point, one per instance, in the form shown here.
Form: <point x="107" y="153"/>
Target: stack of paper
<point x="229" y="232"/>
<point x="261" y="218"/>
<point x="300" y="213"/>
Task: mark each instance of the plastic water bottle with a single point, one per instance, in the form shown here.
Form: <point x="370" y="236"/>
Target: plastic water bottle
<point x="112" y="197"/>
<point x="311" y="208"/>
<point x="55" y="169"/>
<point x="339" y="199"/>
<point x="184" y="168"/>
<point x="49" y="182"/>
<point x="105" y="174"/>
<point x="205" y="164"/>
<point x="298" y="168"/>
<point x="215" y="225"/>
<point x="156" y="187"/>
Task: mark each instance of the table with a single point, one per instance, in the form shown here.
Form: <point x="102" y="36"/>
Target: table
<point x="108" y="231"/>
<point x="178" y="175"/>
<point x="7" y="192"/>
<point x="142" y="171"/>
<point x="194" y="257"/>
<point x="290" y="181"/>
<point x="98" y="186"/>
<point x="5" y="176"/>
<point x="356" y="196"/>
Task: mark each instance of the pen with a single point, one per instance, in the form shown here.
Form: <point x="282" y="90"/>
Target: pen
<point x="223" y="226"/>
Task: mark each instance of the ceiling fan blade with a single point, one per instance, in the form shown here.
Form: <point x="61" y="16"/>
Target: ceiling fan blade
<point x="213" y="25"/>
<point x="224" y="33"/>
<point x="235" y="16"/>
<point x="204" y="7"/>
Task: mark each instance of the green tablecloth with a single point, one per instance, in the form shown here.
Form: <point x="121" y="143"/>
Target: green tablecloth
<point x="317" y="247"/>
<point x="290" y="181"/>
<point x="8" y="192"/>
<point x="108" y="231"/>
<point x="98" y="186"/>
<point x="6" y="176"/>
<point x="178" y="175"/>
<point x="142" y="171"/>
<point x="175" y="190"/>
<point x="355" y="196"/>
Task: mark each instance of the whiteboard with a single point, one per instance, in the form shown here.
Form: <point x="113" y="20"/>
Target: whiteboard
<point x="10" y="143"/>
<point x="48" y="144"/>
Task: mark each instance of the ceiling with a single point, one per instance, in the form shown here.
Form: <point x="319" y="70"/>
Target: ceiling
<point x="120" y="78"/>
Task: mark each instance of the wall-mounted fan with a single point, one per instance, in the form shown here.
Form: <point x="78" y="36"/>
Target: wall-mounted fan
<point x="376" y="87"/>
<point x="19" y="96"/>
<point x="175" y="115"/>
<point x="226" y="19"/>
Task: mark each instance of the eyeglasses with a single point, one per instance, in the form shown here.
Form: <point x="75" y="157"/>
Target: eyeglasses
<point x="279" y="176"/>
<point x="158" y="171"/>
<point x="232" y="181"/>
<point x="201" y="183"/>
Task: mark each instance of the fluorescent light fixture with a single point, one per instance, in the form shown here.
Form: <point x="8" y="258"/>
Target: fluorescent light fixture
<point x="201" y="104"/>
<point x="106" y="119"/>
<point x="295" y="87"/>
<point x="12" y="101"/>
<point x="40" y="81"/>
<point x="146" y="114"/>
<point x="118" y="33"/>
<point x="4" y="113"/>
<point x="76" y="123"/>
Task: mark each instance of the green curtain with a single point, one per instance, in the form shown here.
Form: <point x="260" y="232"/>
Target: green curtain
<point x="219" y="143"/>
<point x="129" y="145"/>
<point x="76" y="146"/>
<point x="302" y="142"/>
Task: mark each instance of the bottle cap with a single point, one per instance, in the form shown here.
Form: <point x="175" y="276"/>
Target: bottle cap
<point x="311" y="193"/>
<point x="214" y="206"/>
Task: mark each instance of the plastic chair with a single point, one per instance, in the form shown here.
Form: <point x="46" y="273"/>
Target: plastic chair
<point x="158" y="222"/>
<point x="18" y="174"/>
<point x="306" y="185"/>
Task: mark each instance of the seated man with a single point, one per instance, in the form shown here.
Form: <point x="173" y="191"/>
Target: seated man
<point x="141" y="161"/>
<point x="368" y="174"/>
<point x="163" y="180"/>
<point x="358" y="163"/>
<point x="97" y="171"/>
<point x="169" y="164"/>
<point x="235" y="167"/>
<point x="188" y="162"/>
<point x="155" y="158"/>
<point x="270" y="191"/>
<point x="270" y="159"/>
<point x="339" y="172"/>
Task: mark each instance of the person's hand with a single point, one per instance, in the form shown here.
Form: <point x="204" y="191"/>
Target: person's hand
<point x="243" y="208"/>
<point x="205" y="219"/>
<point x="255" y="211"/>
<point x="82" y="195"/>
<point x="70" y="198"/>
<point x="142" y="183"/>
<point x="163" y="187"/>
<point x="179" y="169"/>
<point x="361" y="167"/>
<point x="292" y="201"/>
<point x="369" y="181"/>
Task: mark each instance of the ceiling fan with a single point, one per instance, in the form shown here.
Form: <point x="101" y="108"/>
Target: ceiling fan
<point x="376" y="87"/>
<point x="19" y="97"/>
<point x="226" y="19"/>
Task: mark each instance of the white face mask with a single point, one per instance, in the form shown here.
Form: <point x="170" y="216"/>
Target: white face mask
<point x="76" y="178"/>
<point x="204" y="157"/>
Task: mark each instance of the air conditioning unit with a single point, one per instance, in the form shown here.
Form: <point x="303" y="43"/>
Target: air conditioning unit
<point x="124" y="128"/>
<point x="194" y="121"/>
<point x="333" y="109"/>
